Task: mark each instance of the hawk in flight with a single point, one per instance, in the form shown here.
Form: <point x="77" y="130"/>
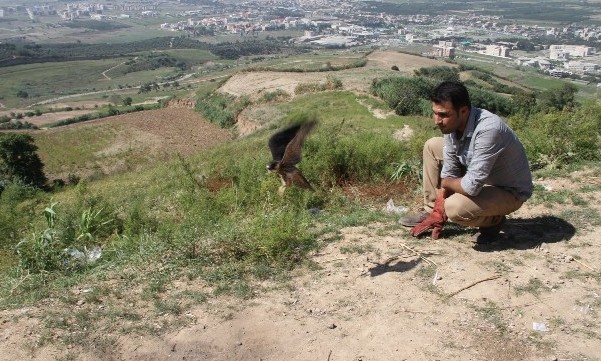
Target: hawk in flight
<point x="285" y="146"/>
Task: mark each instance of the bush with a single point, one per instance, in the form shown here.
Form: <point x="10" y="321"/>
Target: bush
<point x="69" y="233"/>
<point x="402" y="94"/>
<point x="438" y="74"/>
<point x="336" y="159"/>
<point x="493" y="102"/>
<point x="331" y="83"/>
<point x="14" y="214"/>
<point x="221" y="109"/>
<point x="19" y="160"/>
<point x="556" y="138"/>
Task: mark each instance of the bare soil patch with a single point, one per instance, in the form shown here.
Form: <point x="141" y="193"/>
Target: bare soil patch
<point x="379" y="63"/>
<point x="405" y="62"/>
<point x="143" y="137"/>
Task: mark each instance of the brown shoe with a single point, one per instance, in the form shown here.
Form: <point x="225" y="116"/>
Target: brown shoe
<point x="413" y="219"/>
<point x="490" y="234"/>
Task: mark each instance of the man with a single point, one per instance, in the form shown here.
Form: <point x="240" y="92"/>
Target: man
<point x="474" y="176"/>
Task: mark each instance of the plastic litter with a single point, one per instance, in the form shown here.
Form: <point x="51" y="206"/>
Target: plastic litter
<point x="391" y="208"/>
<point x="79" y="258"/>
<point x="539" y="326"/>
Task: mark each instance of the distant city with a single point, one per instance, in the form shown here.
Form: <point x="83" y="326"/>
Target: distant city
<point x="345" y="24"/>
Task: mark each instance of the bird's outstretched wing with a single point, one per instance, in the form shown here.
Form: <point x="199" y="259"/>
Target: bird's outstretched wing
<point x="292" y="154"/>
<point x="278" y="142"/>
<point x="297" y="178"/>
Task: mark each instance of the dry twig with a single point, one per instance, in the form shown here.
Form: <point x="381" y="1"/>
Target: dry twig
<point x="429" y="261"/>
<point x="19" y="283"/>
<point x="585" y="265"/>
<point x="473" y="284"/>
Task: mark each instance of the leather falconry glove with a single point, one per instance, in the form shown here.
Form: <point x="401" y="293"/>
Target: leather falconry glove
<point x="435" y="221"/>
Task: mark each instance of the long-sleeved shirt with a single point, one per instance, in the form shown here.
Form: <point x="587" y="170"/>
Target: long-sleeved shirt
<point x="490" y="153"/>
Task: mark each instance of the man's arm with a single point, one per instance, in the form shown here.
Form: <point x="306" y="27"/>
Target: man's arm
<point x="452" y="185"/>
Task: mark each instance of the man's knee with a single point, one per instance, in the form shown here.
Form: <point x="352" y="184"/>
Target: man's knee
<point x="456" y="211"/>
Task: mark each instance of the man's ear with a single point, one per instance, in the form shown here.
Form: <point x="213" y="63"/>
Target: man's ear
<point x="464" y="111"/>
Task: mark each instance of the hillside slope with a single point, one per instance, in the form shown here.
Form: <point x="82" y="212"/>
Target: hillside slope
<point x="375" y="294"/>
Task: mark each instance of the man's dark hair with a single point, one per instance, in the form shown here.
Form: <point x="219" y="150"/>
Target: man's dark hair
<point x="452" y="91"/>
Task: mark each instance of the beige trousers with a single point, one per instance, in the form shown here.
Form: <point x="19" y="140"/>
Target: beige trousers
<point x="484" y="210"/>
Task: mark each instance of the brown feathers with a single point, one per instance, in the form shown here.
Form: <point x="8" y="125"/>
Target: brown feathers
<point x="286" y="149"/>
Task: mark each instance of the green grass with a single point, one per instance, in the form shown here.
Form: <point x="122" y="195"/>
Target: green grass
<point x="50" y="80"/>
<point x="534" y="287"/>
<point x="313" y="61"/>
<point x="74" y="147"/>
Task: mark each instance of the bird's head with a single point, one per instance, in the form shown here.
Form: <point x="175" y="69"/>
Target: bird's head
<point x="272" y="166"/>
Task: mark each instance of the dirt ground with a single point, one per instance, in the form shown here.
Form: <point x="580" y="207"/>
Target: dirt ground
<point x="142" y="137"/>
<point x="379" y="63"/>
<point x="379" y="294"/>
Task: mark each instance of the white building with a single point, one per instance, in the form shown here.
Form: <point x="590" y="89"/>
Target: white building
<point x="557" y="52"/>
<point x="579" y="67"/>
<point x="497" y="50"/>
<point x="444" y="49"/>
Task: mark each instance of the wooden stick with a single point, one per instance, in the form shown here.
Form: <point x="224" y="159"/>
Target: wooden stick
<point x="473" y="284"/>
<point x="420" y="255"/>
<point x="585" y="265"/>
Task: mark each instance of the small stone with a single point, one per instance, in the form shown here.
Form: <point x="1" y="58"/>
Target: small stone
<point x="332" y="326"/>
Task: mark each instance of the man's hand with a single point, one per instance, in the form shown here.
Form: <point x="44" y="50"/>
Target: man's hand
<point x="436" y="220"/>
<point x="452" y="185"/>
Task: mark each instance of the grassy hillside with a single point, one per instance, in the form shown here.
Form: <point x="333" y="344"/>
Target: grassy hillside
<point x="169" y="211"/>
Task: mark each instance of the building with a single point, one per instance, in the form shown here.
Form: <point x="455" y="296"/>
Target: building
<point x="558" y="52"/>
<point x="579" y="67"/>
<point x="497" y="50"/>
<point x="444" y="49"/>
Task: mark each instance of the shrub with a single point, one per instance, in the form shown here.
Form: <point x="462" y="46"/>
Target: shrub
<point x="221" y="109"/>
<point x="19" y="160"/>
<point x="438" y="73"/>
<point x="493" y="102"/>
<point x="556" y="138"/>
<point x="331" y="83"/>
<point x="42" y="251"/>
<point x="402" y="94"/>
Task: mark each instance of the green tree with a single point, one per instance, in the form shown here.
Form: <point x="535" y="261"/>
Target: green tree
<point x="558" y="98"/>
<point x="127" y="101"/>
<point x="524" y="102"/>
<point x="19" y="160"/>
<point x="22" y="94"/>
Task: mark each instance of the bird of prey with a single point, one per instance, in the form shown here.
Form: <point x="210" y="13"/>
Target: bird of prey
<point x="285" y="146"/>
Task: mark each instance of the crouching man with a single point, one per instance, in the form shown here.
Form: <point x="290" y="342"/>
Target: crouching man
<point x="475" y="174"/>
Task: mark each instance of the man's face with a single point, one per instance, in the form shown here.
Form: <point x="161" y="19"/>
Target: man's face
<point x="447" y="119"/>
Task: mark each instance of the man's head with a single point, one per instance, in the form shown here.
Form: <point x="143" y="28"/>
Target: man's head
<point x="451" y="106"/>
